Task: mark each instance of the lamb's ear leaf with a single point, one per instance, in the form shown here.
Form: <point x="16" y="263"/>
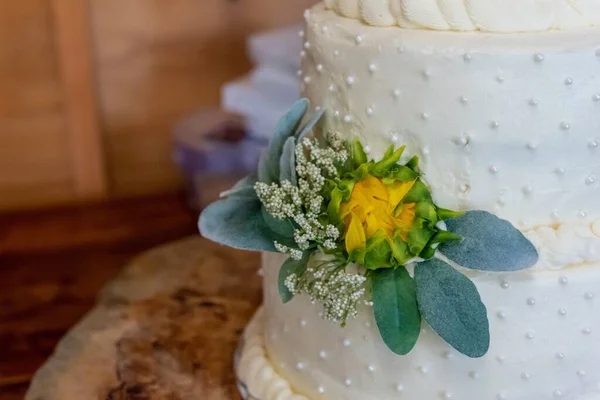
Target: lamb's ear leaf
<point x="308" y="127"/>
<point x="452" y="306"/>
<point x="243" y="188"/>
<point x="265" y="173"/>
<point x="286" y="127"/>
<point x="289" y="267"/>
<point x="287" y="162"/>
<point x="238" y="223"/>
<point x="283" y="228"/>
<point x="395" y="308"/>
<point x="489" y="243"/>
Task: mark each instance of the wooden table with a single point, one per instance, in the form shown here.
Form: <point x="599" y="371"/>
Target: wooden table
<point x="54" y="263"/>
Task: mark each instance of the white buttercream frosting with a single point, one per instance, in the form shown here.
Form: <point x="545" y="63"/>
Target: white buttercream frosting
<point x="469" y="15"/>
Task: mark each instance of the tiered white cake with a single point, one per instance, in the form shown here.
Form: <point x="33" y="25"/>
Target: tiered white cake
<point x="501" y="102"/>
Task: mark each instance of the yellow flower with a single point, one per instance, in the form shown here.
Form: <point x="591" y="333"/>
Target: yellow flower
<point x="376" y="207"/>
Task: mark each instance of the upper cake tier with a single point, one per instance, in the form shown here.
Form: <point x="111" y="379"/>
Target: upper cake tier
<point x="508" y="123"/>
<point x="470" y="15"/>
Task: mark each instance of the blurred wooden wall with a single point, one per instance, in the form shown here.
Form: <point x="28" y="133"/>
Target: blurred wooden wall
<point x="90" y="90"/>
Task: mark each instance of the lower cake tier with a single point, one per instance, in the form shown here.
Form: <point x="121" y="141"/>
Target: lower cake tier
<point x="545" y="344"/>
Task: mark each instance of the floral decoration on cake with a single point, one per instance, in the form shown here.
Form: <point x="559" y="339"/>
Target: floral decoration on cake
<point x="362" y="231"/>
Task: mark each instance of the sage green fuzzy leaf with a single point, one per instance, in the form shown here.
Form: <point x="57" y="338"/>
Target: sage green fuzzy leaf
<point x="291" y="266"/>
<point x="286" y="127"/>
<point x="287" y="162"/>
<point x="238" y="223"/>
<point x="283" y="228"/>
<point x="489" y="244"/>
<point x="310" y="124"/>
<point x="451" y="305"/>
<point x="243" y="188"/>
<point x="395" y="308"/>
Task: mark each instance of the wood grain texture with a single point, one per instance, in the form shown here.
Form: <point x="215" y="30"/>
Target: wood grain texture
<point x="34" y="147"/>
<point x="54" y="262"/>
<point x="79" y="88"/>
<point x="158" y="61"/>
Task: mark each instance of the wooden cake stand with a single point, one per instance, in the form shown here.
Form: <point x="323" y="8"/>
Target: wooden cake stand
<point x="166" y="328"/>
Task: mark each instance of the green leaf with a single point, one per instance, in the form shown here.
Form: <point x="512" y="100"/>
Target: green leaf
<point x="287" y="162"/>
<point x="395" y="308"/>
<point x="413" y="163"/>
<point x="291" y="266"/>
<point x="400" y="250"/>
<point x="308" y="127"/>
<point x="419" y="235"/>
<point x="378" y="253"/>
<point x="390" y="159"/>
<point x="283" y="228"/>
<point x="451" y="305"/>
<point x="243" y="188"/>
<point x="341" y="192"/>
<point x="399" y="173"/>
<point x="238" y="222"/>
<point x="445" y="214"/>
<point x="426" y="210"/>
<point x="489" y="244"/>
<point x="419" y="192"/>
<point x="358" y="153"/>
<point x="285" y="128"/>
<point x="445" y="236"/>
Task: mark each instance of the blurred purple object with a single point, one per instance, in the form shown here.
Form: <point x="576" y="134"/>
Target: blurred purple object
<point x="213" y="151"/>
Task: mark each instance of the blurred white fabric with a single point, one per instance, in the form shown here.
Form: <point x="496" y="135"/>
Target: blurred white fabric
<point x="266" y="93"/>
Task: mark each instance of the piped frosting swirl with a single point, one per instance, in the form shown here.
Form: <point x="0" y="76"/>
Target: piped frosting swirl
<point x="501" y="16"/>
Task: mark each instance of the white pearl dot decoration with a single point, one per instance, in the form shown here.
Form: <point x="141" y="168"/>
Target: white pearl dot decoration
<point x="302" y="54"/>
<point x="370" y="111"/>
<point x="336" y="113"/>
<point x="560" y="171"/>
<point x="426" y="73"/>
<point x="586" y="331"/>
<point x="300" y="366"/>
<point x="568" y="81"/>
<point x="590" y="180"/>
<point x="530" y="335"/>
<point x="502" y="396"/>
<point x="400" y="50"/>
<point x="307" y="45"/>
<point x="525" y="376"/>
<point x="303" y="323"/>
<point x="348" y="382"/>
<point x="557" y="394"/>
<point x="331" y="88"/>
<point x="446" y="395"/>
<point x="493" y="169"/>
<point x="494" y="124"/>
<point x="588" y="296"/>
<point x="593" y="144"/>
<point x="319" y="67"/>
<point x="501" y="315"/>
<point x="581" y="373"/>
<point x="307" y="79"/>
<point x="582" y="214"/>
<point x="534" y="102"/>
<point x="500" y="359"/>
<point x="527" y="190"/>
<point x="347" y="342"/>
<point x="359" y="39"/>
<point x="423" y="369"/>
<point x="321" y="389"/>
<point x="473" y="374"/>
<point x="505" y="285"/>
<point x="367" y="149"/>
<point x="301" y="33"/>
<point x="396" y="93"/>
<point x="324" y="29"/>
<point x="299" y="72"/>
<point x="424" y="115"/>
<point x="372" y="67"/>
<point x="500" y="79"/>
<point x="563" y="280"/>
<point x="463" y="99"/>
<point x="555" y="215"/>
<point x="448" y="355"/>
<point x="322" y="354"/>
<point x="394" y="138"/>
<point x="531" y="301"/>
<point x="461" y="140"/>
<point x="538" y="57"/>
<point x="336" y="53"/>
<point x="596" y="97"/>
<point x="347" y="119"/>
<point x="399" y="388"/>
<point x="560" y="355"/>
<point x="306" y="13"/>
<point x="565" y="126"/>
<point x="351" y="80"/>
<point x="467" y="57"/>
<point x="371" y="368"/>
<point x="562" y="312"/>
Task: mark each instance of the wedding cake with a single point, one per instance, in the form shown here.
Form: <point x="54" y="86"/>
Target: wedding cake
<point x="499" y="101"/>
